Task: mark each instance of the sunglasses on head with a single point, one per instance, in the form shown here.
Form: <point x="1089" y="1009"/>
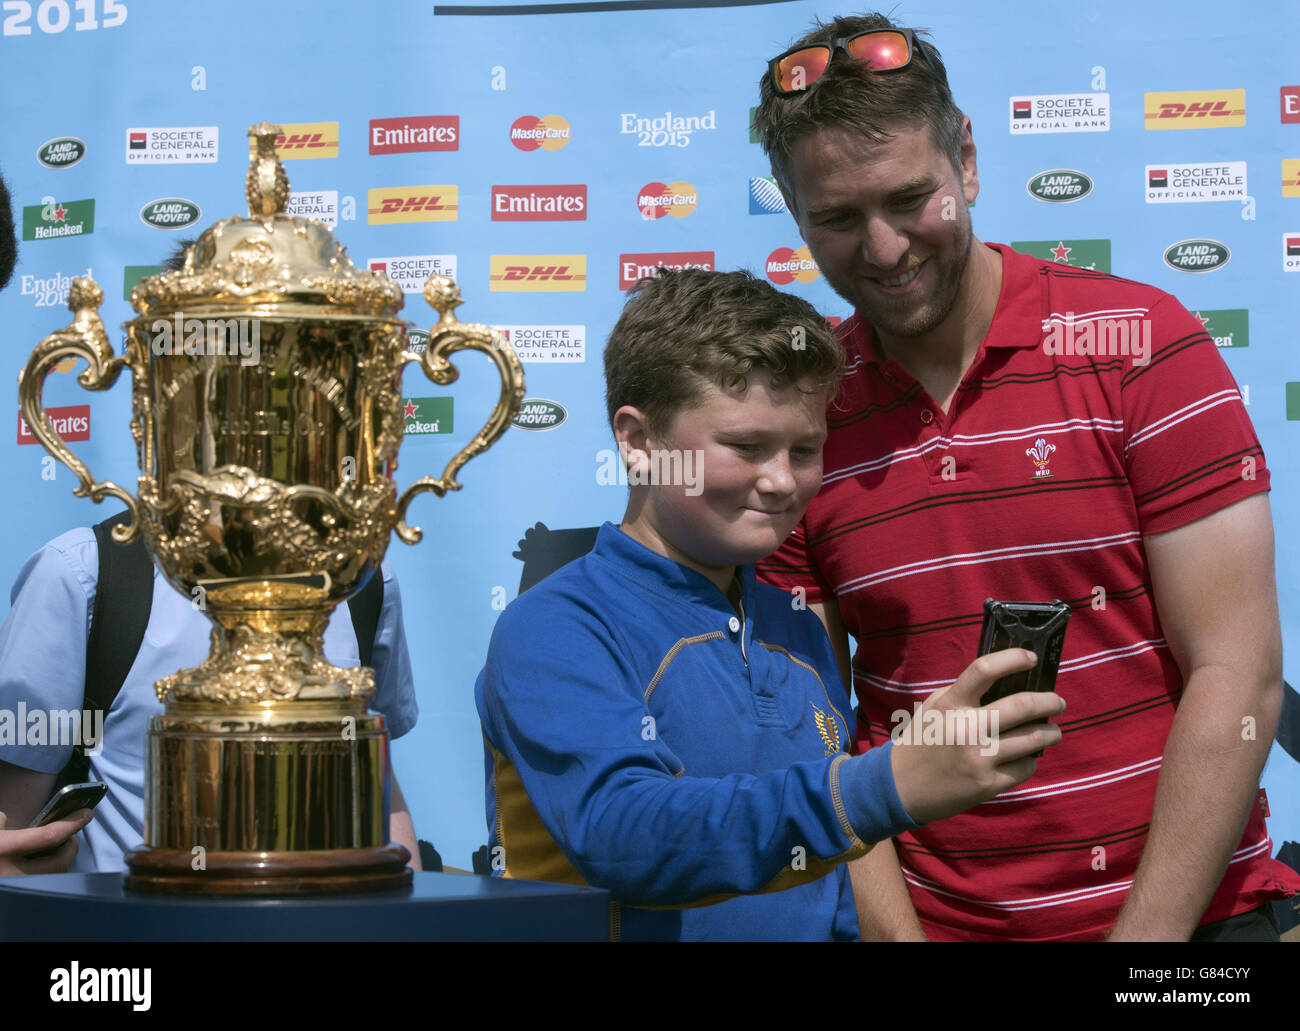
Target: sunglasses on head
<point x="884" y="50"/>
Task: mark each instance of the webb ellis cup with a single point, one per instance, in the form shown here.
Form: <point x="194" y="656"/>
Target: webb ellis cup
<point x="266" y="496"/>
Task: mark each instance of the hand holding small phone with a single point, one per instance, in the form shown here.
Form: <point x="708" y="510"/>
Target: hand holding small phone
<point x="954" y="753"/>
<point x="37" y="850"/>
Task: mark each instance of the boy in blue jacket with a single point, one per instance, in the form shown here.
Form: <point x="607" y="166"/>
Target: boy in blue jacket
<point x="660" y="724"/>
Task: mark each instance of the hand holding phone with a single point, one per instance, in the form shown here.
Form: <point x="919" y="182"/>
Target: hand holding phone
<point x="38" y="850"/>
<point x="954" y="753"/>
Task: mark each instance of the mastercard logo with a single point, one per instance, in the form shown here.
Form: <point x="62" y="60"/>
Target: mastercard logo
<point x="787" y="266"/>
<point x="655" y="200"/>
<point x="531" y="132"/>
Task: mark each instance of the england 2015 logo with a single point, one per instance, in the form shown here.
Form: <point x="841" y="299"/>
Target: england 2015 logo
<point x="667" y="129"/>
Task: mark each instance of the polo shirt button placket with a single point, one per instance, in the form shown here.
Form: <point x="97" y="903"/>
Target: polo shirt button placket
<point x="927" y="416"/>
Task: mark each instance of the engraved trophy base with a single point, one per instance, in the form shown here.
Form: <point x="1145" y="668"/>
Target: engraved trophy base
<point x="287" y="799"/>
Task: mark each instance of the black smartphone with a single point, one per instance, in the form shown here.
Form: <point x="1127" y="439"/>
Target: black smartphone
<point x="66" y="801"/>
<point x="1037" y="626"/>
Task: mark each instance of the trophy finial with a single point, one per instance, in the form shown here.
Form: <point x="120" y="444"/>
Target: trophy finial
<point x="267" y="185"/>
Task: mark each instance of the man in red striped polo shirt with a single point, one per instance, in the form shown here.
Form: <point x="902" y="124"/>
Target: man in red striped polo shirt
<point x="1024" y="430"/>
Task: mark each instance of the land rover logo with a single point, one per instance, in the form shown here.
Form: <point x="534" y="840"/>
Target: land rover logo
<point x="1060" y="186"/>
<point x="170" y="213"/>
<point x="538" y="413"/>
<point x="418" y="340"/>
<point x="64" y="152"/>
<point x="1197" y="255"/>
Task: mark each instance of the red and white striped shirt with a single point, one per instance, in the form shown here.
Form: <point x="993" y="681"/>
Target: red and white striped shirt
<point x="1038" y="483"/>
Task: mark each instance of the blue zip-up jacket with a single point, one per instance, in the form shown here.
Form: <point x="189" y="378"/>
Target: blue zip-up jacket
<point x="642" y="737"/>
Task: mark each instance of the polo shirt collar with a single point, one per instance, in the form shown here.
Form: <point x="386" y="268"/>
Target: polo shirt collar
<point x="665" y="577"/>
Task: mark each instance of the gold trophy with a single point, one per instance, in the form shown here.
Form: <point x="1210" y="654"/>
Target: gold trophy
<point x="267" y="415"/>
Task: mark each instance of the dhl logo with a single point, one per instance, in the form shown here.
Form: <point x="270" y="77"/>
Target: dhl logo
<point x="1197" y="109"/>
<point x="1291" y="177"/>
<point x="538" y="272"/>
<point x="393" y="204"/>
<point x="304" y="140"/>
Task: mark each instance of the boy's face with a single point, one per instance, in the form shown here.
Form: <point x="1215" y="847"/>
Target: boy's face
<point x="756" y="459"/>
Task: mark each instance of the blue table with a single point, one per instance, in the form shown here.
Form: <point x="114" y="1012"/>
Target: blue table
<point x="437" y="907"/>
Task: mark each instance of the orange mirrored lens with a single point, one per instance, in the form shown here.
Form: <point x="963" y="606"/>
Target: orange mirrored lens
<point x="801" y="69"/>
<point x="881" y="50"/>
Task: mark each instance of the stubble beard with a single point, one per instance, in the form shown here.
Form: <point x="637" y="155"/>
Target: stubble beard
<point x="910" y="318"/>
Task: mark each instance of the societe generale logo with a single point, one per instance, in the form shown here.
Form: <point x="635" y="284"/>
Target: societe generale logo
<point x="304" y="140"/>
<point x="393" y="204"/>
<point x="414" y="134"/>
<point x="1195" y="109"/>
<point x="533" y="273"/>
<point x="550" y="132"/>
<point x="563" y="203"/>
<point x="71" y="423"/>
<point x="634" y="267"/>
<point x="655" y="200"/>
<point x="786" y="266"/>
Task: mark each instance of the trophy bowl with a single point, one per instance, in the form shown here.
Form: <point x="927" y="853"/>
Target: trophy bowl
<point x="267" y="416"/>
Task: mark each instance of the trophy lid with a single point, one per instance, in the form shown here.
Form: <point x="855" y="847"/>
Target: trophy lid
<point x="269" y="259"/>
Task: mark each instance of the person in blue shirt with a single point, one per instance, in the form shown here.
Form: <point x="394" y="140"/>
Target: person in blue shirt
<point x="658" y="723"/>
<point x="47" y="849"/>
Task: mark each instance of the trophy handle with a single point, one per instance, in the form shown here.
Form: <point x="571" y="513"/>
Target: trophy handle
<point x="83" y="338"/>
<point x="445" y="339"/>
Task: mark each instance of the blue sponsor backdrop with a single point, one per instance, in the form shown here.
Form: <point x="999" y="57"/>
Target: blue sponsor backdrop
<point x="95" y="70"/>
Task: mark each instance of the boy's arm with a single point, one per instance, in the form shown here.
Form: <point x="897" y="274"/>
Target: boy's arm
<point x="572" y="732"/>
<point x="885" y="910"/>
<point x="559" y="703"/>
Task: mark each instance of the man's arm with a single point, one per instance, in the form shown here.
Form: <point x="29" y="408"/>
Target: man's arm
<point x="401" y="828"/>
<point x="885" y="910"/>
<point x="1216" y="597"/>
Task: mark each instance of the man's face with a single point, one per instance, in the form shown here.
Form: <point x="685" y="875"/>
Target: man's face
<point x="887" y="223"/>
<point x="760" y="460"/>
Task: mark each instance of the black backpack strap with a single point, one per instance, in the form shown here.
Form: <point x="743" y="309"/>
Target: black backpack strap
<point x="123" y="598"/>
<point x="365" y="607"/>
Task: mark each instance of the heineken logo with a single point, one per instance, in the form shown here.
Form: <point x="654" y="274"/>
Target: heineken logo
<point x="170" y="213"/>
<point x="1197" y="255"/>
<point x="1228" y="327"/>
<point x="1060" y="186"/>
<point x="425" y="415"/>
<point x="1089" y="254"/>
<point x="63" y="152"/>
<point x="52" y="219"/>
<point x="539" y="413"/>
